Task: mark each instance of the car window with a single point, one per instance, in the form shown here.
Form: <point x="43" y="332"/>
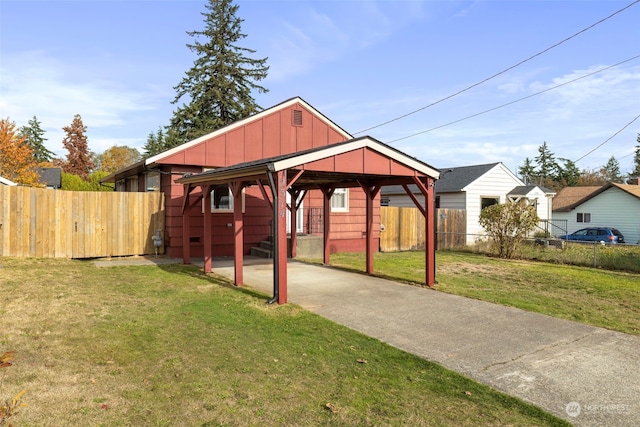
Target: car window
<point x="592" y="232"/>
<point x="616" y="232"/>
<point x="580" y="233"/>
<point x="602" y="232"/>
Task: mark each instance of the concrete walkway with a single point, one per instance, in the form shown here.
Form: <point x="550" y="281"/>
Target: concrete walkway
<point x="586" y="375"/>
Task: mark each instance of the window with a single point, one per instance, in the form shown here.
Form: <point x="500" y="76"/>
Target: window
<point x="583" y="217"/>
<point x="437" y="202"/>
<point x="153" y="181"/>
<point x="485" y="202"/>
<point x="221" y="199"/>
<point x="340" y="200"/>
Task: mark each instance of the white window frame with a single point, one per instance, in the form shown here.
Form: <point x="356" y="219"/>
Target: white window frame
<point x="228" y="208"/>
<point x="152" y="176"/>
<point x="583" y="217"/>
<point x="341" y="203"/>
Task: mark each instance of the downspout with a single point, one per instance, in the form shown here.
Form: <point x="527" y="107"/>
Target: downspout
<point x="276" y="270"/>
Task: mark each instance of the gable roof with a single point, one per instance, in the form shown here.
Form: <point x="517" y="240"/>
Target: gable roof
<point x="239" y="123"/>
<point x="572" y="197"/>
<point x="456" y="179"/>
<point x="306" y="157"/>
<point x="523" y="190"/>
<point x="152" y="161"/>
<point x="452" y="180"/>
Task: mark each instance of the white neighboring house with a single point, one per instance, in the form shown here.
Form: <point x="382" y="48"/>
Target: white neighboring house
<point x="612" y="205"/>
<point x="5" y="181"/>
<point x="473" y="188"/>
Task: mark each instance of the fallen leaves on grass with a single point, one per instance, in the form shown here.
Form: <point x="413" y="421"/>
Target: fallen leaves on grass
<point x="331" y="407"/>
<point x="6" y="358"/>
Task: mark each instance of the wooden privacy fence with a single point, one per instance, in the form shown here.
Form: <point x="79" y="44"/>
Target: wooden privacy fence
<point x="45" y="223"/>
<point x="404" y="228"/>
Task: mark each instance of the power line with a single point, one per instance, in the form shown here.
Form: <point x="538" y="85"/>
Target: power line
<point x="515" y="101"/>
<point x="499" y="73"/>
<point x="609" y="139"/>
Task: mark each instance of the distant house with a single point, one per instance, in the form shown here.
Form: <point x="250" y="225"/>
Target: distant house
<point x="474" y="188"/>
<point x="51" y="177"/>
<point x="5" y="181"/>
<point x="611" y="205"/>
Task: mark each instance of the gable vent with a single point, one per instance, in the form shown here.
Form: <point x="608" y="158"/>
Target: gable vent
<point x="296" y="118"/>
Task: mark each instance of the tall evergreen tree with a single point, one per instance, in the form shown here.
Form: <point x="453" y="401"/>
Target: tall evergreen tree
<point x="34" y="137"/>
<point x="568" y="174"/>
<point x="156" y="143"/>
<point x="636" y="160"/>
<point x="527" y="171"/>
<point x="78" y="159"/>
<point x="219" y="86"/>
<point x="611" y="170"/>
<point x="547" y="167"/>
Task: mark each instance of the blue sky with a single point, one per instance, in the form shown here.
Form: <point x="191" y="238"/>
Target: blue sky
<point x="359" y="62"/>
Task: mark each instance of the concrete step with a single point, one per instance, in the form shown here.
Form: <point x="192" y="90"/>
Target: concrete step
<point x="261" y="252"/>
<point x="265" y="244"/>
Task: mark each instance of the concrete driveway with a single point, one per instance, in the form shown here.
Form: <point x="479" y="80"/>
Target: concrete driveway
<point x="589" y="376"/>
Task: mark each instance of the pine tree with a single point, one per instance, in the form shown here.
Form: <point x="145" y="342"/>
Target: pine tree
<point x="547" y="170"/>
<point x="527" y="171"/>
<point x="611" y="171"/>
<point x="156" y="144"/>
<point x="221" y="81"/>
<point x="78" y="159"/>
<point x="568" y="174"/>
<point x="34" y="135"/>
<point x="635" y="173"/>
<point x="17" y="162"/>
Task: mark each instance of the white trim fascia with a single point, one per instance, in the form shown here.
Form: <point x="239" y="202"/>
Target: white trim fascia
<point x="5" y="181"/>
<point x="504" y="168"/>
<point x="366" y="142"/>
<point x="239" y="123"/>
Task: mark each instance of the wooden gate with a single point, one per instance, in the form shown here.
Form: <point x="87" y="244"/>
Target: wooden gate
<point x="404" y="229"/>
<point x="45" y="223"/>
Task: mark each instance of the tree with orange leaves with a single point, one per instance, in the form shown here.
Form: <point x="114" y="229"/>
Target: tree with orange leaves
<point x="17" y="162"/>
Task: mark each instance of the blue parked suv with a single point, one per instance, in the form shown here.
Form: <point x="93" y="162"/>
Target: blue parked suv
<point x="596" y="234"/>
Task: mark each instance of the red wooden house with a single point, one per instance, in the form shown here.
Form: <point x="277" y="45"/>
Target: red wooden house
<point x="227" y="176"/>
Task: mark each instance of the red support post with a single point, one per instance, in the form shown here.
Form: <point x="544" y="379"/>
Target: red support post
<point x="371" y="192"/>
<point x="206" y="200"/>
<point x="238" y="233"/>
<point x="281" y="223"/>
<point x="430" y="230"/>
<point x="327" y="192"/>
<point x="186" y="225"/>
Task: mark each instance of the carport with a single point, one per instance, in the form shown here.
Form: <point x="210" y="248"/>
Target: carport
<point x="363" y="163"/>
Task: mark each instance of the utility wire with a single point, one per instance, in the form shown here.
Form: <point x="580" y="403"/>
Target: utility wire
<point x="513" y="102"/>
<point x="499" y="73"/>
<point x="609" y="139"/>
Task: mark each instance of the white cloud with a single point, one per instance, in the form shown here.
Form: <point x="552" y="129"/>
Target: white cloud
<point x="34" y="84"/>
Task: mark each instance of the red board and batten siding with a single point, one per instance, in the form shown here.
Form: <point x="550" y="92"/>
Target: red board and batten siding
<point x="267" y="136"/>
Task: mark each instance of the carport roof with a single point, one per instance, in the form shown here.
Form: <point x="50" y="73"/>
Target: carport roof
<point x="315" y="176"/>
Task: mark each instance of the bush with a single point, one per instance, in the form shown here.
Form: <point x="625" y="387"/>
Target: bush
<point x="507" y="224"/>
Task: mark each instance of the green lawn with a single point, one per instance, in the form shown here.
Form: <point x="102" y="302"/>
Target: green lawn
<point x="170" y="346"/>
<point x="604" y="298"/>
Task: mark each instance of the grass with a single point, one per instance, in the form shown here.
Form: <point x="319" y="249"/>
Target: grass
<point x="608" y="299"/>
<point x="170" y="346"/>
